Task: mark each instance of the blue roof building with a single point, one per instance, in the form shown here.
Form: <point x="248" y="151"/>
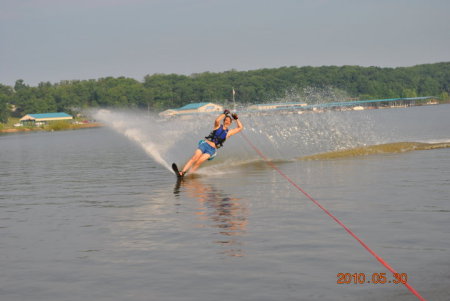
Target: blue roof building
<point x="192" y="106"/>
<point x="45" y="117"/>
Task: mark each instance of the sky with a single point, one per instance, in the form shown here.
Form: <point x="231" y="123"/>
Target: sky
<point x="56" y="40"/>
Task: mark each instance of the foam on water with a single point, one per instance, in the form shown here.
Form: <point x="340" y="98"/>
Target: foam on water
<point x="279" y="135"/>
<point x="163" y="141"/>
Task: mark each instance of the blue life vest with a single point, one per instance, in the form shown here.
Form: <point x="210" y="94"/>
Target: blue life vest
<point x="218" y="136"/>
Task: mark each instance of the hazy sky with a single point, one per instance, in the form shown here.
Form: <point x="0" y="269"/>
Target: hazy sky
<point x="54" y="40"/>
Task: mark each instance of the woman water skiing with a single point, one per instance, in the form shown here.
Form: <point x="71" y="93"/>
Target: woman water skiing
<point x="207" y="148"/>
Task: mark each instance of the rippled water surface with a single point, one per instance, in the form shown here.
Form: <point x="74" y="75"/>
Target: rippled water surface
<point x="91" y="215"/>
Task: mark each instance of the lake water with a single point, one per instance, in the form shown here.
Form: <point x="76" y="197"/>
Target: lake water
<point x="95" y="214"/>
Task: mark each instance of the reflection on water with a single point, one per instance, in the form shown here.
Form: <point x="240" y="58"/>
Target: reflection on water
<point x="226" y="214"/>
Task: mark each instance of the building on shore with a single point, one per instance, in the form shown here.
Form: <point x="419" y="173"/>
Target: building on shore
<point x="351" y="105"/>
<point x="276" y="106"/>
<point x="193" y="108"/>
<point x="358" y="105"/>
<point x="45" y="118"/>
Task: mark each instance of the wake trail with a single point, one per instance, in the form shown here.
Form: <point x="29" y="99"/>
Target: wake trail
<point x="387" y="148"/>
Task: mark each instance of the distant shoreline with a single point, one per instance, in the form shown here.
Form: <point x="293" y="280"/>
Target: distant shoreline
<point x="72" y="127"/>
<point x="98" y="124"/>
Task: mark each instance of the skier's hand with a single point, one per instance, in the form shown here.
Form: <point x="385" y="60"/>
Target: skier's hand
<point x="235" y="116"/>
<point x="226" y="112"/>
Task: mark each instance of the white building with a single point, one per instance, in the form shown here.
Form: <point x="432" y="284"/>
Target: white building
<point x="276" y="106"/>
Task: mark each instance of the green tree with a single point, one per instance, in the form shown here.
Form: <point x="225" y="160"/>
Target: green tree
<point x="162" y="91"/>
<point x="4" y="112"/>
<point x="19" y="85"/>
<point x="6" y="94"/>
<point x="444" y="96"/>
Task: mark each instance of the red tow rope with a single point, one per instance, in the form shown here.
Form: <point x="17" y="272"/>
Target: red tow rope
<point x="381" y="260"/>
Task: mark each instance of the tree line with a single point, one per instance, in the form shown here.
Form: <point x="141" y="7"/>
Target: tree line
<point x="161" y="91"/>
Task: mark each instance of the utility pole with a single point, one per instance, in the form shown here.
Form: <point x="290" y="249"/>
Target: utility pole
<point x="234" y="101"/>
